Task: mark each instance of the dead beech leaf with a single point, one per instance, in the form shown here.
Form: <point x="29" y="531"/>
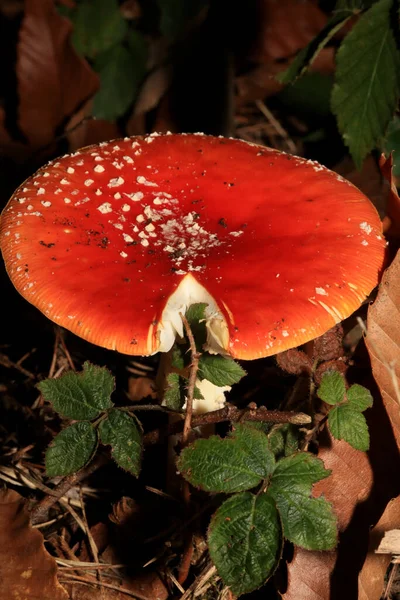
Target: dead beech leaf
<point x="53" y="81"/>
<point x="27" y="571"/>
<point x="359" y="487"/>
<point x="286" y="26"/>
<point x="371" y="578"/>
<point x="383" y="342"/>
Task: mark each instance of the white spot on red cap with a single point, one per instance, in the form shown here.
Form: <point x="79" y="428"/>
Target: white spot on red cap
<point x="88" y="182"/>
<point x="41" y="191"/>
<point x="364" y="226"/>
<point x="105" y="208"/>
<point x="99" y="169"/>
<point x="116" y="182"/>
<point x="70" y="170"/>
<point x="321" y="291"/>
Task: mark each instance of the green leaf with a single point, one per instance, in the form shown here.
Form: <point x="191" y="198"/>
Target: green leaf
<point x="228" y="465"/>
<point x="367" y="86"/>
<point x="307" y="522"/>
<point x="71" y="449"/>
<point x="196" y="317"/>
<point x="175" y="14"/>
<point x="173" y="397"/>
<point x="121" y="70"/>
<point x="244" y="540"/>
<point x="309" y="97"/>
<point x="350" y="425"/>
<point x="123" y="433"/>
<point x="82" y="395"/>
<point x="219" y="370"/>
<point x="332" y="388"/>
<point x="307" y="55"/>
<point x="359" y="397"/>
<point x="178" y="361"/>
<point x="98" y="25"/>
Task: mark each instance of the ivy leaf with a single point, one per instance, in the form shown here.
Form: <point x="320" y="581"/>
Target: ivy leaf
<point x="98" y="26"/>
<point x="244" y="540"/>
<point x="367" y="86"/>
<point x="219" y="370"/>
<point x="121" y="70"/>
<point x="350" y="425"/>
<point x="359" y="397"/>
<point x="173" y="397"/>
<point x="71" y="449"/>
<point x="123" y="433"/>
<point x="236" y="463"/>
<point x="332" y="388"/>
<point x="307" y="55"/>
<point x="81" y="396"/>
<point x="307" y="522"/>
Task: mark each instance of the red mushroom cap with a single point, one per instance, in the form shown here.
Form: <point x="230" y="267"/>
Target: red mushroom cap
<point x="114" y="241"/>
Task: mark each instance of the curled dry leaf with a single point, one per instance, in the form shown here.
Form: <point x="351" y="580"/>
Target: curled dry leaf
<point x="53" y="81"/>
<point x="383" y="342"/>
<point x="27" y="571"/>
<point x="374" y="569"/>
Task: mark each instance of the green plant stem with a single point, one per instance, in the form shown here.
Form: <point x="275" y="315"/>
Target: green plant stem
<point x="194" y="367"/>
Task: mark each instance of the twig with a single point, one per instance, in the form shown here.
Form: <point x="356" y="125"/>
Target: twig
<point x="89" y="581"/>
<point x="194" y="367"/>
<point x="9" y="364"/>
<point x="276" y="125"/>
<point x="40" y="510"/>
<point x="229" y="413"/>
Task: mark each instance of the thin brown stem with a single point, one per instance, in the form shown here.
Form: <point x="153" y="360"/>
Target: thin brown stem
<point x="194" y="367"/>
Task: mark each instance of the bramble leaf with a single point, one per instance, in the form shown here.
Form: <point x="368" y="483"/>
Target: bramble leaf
<point x="219" y="370"/>
<point x="71" y="449"/>
<point x="307" y="522"/>
<point x="81" y="396"/>
<point x="123" y="433"/>
<point x="349" y="424"/>
<point x="173" y="397"/>
<point x="332" y="388"/>
<point x="359" y="397"/>
<point x="244" y="540"/>
<point x="233" y="464"/>
<point x="367" y="87"/>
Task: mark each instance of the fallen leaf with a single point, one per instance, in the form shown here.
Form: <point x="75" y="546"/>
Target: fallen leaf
<point x="360" y="486"/>
<point x="53" y="81"/>
<point x="27" y="571"/>
<point x="383" y="342"/>
<point x="371" y="578"/>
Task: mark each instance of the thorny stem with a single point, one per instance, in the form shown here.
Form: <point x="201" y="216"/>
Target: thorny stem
<point x="194" y="367"/>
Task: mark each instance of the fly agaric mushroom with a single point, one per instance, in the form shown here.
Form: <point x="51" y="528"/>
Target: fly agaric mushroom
<point x="115" y="241"/>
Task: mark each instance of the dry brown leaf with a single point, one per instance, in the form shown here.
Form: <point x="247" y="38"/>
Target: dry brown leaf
<point x="53" y="81"/>
<point x="371" y="578"/>
<point x="359" y="488"/>
<point x="27" y="571"/>
<point x="286" y="26"/>
<point x="383" y="342"/>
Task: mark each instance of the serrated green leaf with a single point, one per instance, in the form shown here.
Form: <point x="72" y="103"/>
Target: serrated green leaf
<point x="219" y="370"/>
<point x="228" y="465"/>
<point x="359" y="397"/>
<point x="121" y="70"/>
<point x="173" y="397"/>
<point x="175" y="14"/>
<point x="196" y="317"/>
<point x="307" y="55"/>
<point x="350" y="425"/>
<point x="367" y="86"/>
<point x="244" y="540"/>
<point x="332" y="388"/>
<point x="291" y="440"/>
<point x="178" y="361"/>
<point x="123" y="433"/>
<point x="307" y="522"/>
<point x="98" y="25"/>
<point x="81" y="396"/>
<point x="71" y="449"/>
